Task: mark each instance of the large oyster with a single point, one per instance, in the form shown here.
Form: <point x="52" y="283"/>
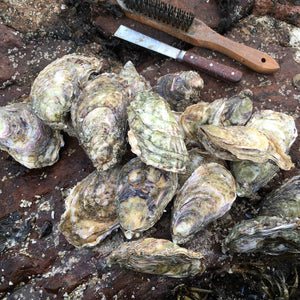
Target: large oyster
<point x="242" y="143"/>
<point x="58" y="84"/>
<point x="26" y="138"/>
<point x="154" y="134"/>
<point x="207" y="195"/>
<point x="180" y="88"/>
<point x="158" y="256"/>
<point x="266" y="234"/>
<point x="143" y="193"/>
<point x="90" y="209"/>
<point x="283" y="201"/>
<point x="281" y="129"/>
<point x="100" y="120"/>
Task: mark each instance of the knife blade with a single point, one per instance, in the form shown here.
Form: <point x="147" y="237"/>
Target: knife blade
<point x="208" y="66"/>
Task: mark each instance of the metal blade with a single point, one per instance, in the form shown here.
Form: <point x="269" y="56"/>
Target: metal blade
<point x="147" y="42"/>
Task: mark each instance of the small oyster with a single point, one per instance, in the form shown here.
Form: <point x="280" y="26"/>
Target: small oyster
<point x="180" y="88"/>
<point x="26" y="138"/>
<point x="207" y="195"/>
<point x="58" y="84"/>
<point x="90" y="209"/>
<point x="197" y="157"/>
<point x="266" y="234"/>
<point x="143" y="193"/>
<point x="154" y="134"/>
<point x="100" y="120"/>
<point x="158" y="256"/>
<point x="283" y="201"/>
<point x="281" y="129"/>
<point x="242" y="143"/>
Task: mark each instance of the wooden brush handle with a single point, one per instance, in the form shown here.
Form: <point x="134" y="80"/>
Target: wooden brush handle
<point x="199" y="34"/>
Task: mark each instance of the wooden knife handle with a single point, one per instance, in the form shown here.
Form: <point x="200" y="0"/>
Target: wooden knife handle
<point x="211" y="67"/>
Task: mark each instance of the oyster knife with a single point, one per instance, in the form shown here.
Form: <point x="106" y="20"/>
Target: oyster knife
<point x="210" y="67"/>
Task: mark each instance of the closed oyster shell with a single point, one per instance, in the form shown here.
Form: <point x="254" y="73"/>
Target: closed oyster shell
<point x="178" y="89"/>
<point x="197" y="157"/>
<point x="158" y="256"/>
<point x="283" y="201"/>
<point x="90" y="209"/>
<point x="154" y="134"/>
<point x="56" y="86"/>
<point x="143" y="192"/>
<point x="26" y="138"/>
<point x="206" y="196"/>
<point x="100" y="120"/>
<point x="281" y="129"/>
<point x="265" y="234"/>
<point x="242" y="143"/>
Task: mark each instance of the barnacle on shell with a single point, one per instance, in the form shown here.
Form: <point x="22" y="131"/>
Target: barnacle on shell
<point x="158" y="256"/>
<point x="26" y="138"/>
<point x="58" y="84"/>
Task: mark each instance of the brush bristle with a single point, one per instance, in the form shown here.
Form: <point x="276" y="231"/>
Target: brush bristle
<point x="167" y="13"/>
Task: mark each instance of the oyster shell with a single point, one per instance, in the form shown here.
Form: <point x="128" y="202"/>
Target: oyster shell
<point x="58" y="84"/>
<point x="90" y="209"/>
<point x="242" y="143"/>
<point x="283" y="201"/>
<point x="221" y="112"/>
<point x="143" y="193"/>
<point x="154" y="134"/>
<point x="26" y="138"/>
<point x="180" y="88"/>
<point x="158" y="256"/>
<point x="197" y="157"/>
<point x="281" y="129"/>
<point x="100" y="120"/>
<point x="206" y="196"/>
<point x="265" y="234"/>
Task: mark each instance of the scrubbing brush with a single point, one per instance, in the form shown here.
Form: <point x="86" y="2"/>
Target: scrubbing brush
<point x="185" y="26"/>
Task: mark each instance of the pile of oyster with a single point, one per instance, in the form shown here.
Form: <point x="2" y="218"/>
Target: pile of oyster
<point x="201" y="159"/>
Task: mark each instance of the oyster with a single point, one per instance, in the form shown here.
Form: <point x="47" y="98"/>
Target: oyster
<point x="26" y="138"/>
<point x="154" y="134"/>
<point x="197" y="157"/>
<point x="100" y="120"/>
<point x="58" y="84"/>
<point x="90" y="209"/>
<point x="207" y="195"/>
<point x="143" y="193"/>
<point x="179" y="88"/>
<point x="281" y="129"/>
<point x="283" y="201"/>
<point x="242" y="143"/>
<point x="158" y="256"/>
<point x="221" y="112"/>
<point x="266" y="234"/>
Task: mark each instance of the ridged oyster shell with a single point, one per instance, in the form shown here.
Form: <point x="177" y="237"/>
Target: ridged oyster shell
<point x="90" y="209"/>
<point x="265" y="234"/>
<point x="158" y="256"/>
<point x="207" y="195"/>
<point x="100" y="120"/>
<point x="154" y="134"/>
<point x="281" y="129"/>
<point x="221" y="112"/>
<point x="26" y="138"/>
<point x="58" y="84"/>
<point x="143" y="193"/>
<point x="242" y="143"/>
<point x="179" y="88"/>
<point x="283" y="201"/>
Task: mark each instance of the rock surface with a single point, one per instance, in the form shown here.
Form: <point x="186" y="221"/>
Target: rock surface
<point x="36" y="261"/>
